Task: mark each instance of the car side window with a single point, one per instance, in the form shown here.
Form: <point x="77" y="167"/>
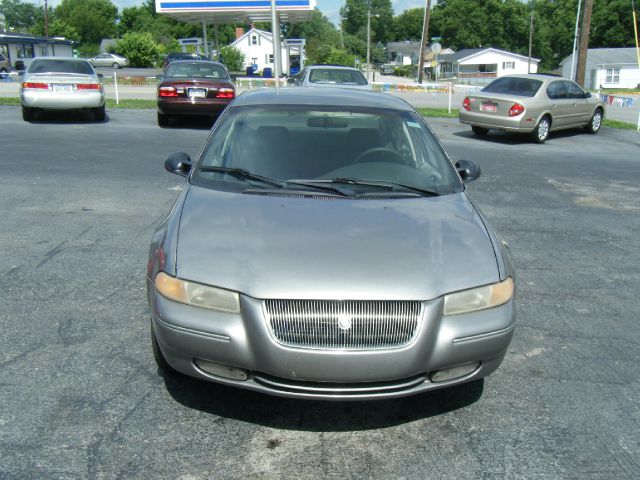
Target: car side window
<point x="556" y="90"/>
<point x="574" y="90"/>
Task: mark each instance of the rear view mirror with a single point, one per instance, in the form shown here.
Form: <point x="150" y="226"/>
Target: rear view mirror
<point x="179" y="163"/>
<point x="327" y="122"/>
<point x="468" y="170"/>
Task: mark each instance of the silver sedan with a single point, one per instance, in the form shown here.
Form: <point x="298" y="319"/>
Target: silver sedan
<point x="324" y="246"/>
<point x="109" y="60"/>
<point x="52" y="83"/>
<point x="534" y="104"/>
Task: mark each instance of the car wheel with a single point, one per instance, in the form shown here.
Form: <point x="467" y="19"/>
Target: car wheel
<point x="161" y="362"/>
<point x="596" y="122"/>
<point x="115" y="65"/>
<point x="480" y="131"/>
<point x="541" y="132"/>
<point x="99" y="113"/>
<point x="3" y="70"/>
<point x="163" y="120"/>
<point x="27" y="114"/>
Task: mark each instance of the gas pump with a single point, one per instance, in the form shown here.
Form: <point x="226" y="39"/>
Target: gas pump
<point x="294" y="59"/>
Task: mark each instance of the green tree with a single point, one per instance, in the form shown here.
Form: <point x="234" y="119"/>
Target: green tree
<point x="20" y="16"/>
<point x="408" y="25"/>
<point x="355" y="19"/>
<point x="318" y="32"/>
<point x="232" y="58"/>
<point x="140" y="48"/>
<point x="92" y="19"/>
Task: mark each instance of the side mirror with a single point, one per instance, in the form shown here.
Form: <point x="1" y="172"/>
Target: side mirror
<point x="101" y="76"/>
<point x="291" y="81"/>
<point x="179" y="163"/>
<point x="158" y="77"/>
<point x="468" y="170"/>
<point x="587" y="95"/>
<point x="21" y="73"/>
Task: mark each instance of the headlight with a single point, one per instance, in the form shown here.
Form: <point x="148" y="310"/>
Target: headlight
<point x="479" y="298"/>
<point x="197" y="294"/>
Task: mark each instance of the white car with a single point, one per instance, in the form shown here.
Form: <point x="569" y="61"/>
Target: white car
<point x="55" y="83"/>
<point x="109" y="60"/>
<point x="330" y="76"/>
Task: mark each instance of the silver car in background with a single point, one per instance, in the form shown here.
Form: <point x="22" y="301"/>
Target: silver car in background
<point x="536" y="104"/>
<point x="109" y="60"/>
<point x="324" y="246"/>
<point x="55" y="83"/>
<point x="330" y="76"/>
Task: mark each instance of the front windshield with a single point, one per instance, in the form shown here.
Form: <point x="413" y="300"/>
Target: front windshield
<point x="336" y="75"/>
<point x="322" y="144"/>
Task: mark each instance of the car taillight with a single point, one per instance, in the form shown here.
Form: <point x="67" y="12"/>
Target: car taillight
<point x="34" y="85"/>
<point x="225" y="93"/>
<point x="88" y="86"/>
<point x="167" y="92"/>
<point x="466" y="104"/>
<point x="516" y="109"/>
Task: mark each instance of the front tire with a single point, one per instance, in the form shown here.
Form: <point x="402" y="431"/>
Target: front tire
<point x="541" y="132"/>
<point x="115" y="65"/>
<point x="100" y="114"/>
<point x="163" y="120"/>
<point x="161" y="362"/>
<point x="27" y="114"/>
<point x="595" y="123"/>
<point x="480" y="131"/>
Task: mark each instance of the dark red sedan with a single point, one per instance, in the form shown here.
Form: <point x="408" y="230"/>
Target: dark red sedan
<point x="193" y="88"/>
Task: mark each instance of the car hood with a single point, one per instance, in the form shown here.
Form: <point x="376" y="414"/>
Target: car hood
<point x="327" y="248"/>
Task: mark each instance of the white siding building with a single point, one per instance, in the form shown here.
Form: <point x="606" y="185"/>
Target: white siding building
<point x="257" y="48"/>
<point x="22" y="47"/>
<point x="485" y="63"/>
<point x="607" y="68"/>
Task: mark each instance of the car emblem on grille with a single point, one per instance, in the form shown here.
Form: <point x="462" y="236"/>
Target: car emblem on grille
<point x="344" y="322"/>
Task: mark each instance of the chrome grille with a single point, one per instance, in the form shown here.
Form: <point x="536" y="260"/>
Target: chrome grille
<point x="343" y="325"/>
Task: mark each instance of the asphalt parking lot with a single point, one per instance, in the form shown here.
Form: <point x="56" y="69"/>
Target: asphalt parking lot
<point x="80" y="395"/>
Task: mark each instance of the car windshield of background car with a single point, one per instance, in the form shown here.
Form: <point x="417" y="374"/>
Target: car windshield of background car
<point x="60" y="66"/>
<point x="523" y="87"/>
<point x="315" y="142"/>
<point x="196" y="69"/>
<point x="334" y="75"/>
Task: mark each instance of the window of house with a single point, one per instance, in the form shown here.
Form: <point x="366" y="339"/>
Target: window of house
<point x="268" y="58"/>
<point x="44" y="51"/>
<point x="508" y="65"/>
<point x="24" y="51"/>
<point x="613" y="75"/>
<point x="254" y="40"/>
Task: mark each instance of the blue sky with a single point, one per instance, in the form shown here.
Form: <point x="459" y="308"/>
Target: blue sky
<point x="330" y="8"/>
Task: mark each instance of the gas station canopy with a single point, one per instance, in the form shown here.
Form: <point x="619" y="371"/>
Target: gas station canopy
<point x="212" y="12"/>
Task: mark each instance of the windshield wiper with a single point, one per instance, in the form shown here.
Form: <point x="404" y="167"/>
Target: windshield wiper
<point x="391" y="186"/>
<point x="325" y="188"/>
<point x="243" y="174"/>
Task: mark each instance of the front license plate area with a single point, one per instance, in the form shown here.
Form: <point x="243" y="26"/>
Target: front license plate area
<point x="62" y="88"/>
<point x="197" y="92"/>
<point x="489" y="107"/>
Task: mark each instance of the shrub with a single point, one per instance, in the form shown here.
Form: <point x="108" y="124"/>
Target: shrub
<point x="232" y="58"/>
<point x="140" y="48"/>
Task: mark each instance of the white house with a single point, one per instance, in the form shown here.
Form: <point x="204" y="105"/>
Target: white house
<point x="485" y="63"/>
<point x="607" y="68"/>
<point x="23" y="47"/>
<point x="257" y="48"/>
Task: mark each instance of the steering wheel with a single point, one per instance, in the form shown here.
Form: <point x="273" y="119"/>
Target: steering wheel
<point x="397" y="158"/>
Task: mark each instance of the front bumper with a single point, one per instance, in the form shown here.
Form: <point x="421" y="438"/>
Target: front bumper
<point x="523" y="123"/>
<point x="244" y="341"/>
<point x="61" y="101"/>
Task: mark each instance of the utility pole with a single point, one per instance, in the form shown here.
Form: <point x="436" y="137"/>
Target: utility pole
<point x="424" y="41"/>
<point x="369" y="42"/>
<point x="46" y="19"/>
<point x="584" y="42"/>
<point x="575" y="44"/>
<point x="530" y="42"/>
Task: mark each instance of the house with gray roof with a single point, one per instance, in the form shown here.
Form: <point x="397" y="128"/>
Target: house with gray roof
<point x="485" y="64"/>
<point x="607" y="68"/>
<point x="21" y="48"/>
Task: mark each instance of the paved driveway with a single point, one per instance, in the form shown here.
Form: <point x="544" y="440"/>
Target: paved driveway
<point x="81" y="398"/>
